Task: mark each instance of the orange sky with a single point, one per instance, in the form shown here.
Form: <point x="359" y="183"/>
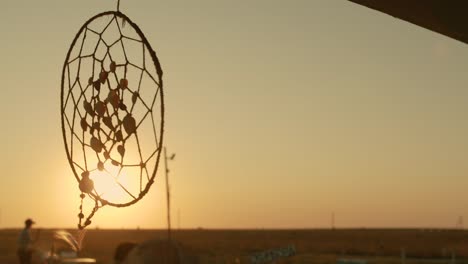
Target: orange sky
<point x="280" y="114"/>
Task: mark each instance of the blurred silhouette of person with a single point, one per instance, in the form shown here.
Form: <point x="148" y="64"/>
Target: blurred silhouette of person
<point x="25" y="242"/>
<point x="122" y="251"/>
<point x="150" y="252"/>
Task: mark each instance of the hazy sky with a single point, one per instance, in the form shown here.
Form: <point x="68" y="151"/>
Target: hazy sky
<point x="280" y="112"/>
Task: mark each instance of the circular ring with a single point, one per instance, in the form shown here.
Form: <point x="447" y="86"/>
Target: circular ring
<point x="99" y="121"/>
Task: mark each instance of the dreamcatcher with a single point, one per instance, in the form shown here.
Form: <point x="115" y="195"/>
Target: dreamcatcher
<point x="112" y="111"/>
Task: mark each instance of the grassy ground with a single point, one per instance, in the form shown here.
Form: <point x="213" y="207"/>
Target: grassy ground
<point x="313" y="246"/>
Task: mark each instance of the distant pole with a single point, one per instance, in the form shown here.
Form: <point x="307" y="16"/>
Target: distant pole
<point x="178" y="219"/>
<point x="168" y="196"/>
<point x="459" y="224"/>
<point x="333" y="221"/>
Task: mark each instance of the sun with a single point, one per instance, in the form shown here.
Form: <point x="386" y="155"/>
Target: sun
<point x="108" y="182"/>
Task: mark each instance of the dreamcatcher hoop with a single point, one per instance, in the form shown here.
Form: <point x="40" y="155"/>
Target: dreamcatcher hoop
<point x="101" y="119"/>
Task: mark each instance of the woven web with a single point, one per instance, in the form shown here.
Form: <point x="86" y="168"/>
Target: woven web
<point x="112" y="110"/>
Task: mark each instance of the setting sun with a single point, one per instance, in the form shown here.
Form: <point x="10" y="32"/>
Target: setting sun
<point x="109" y="183"/>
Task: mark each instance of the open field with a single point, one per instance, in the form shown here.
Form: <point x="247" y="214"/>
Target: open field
<point x="313" y="246"/>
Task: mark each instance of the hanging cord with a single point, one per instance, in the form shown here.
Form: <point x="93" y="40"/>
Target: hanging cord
<point x="88" y="219"/>
<point x="124" y="22"/>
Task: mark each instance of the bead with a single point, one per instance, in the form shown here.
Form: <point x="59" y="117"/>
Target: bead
<point x="108" y="122"/>
<point x="121" y="150"/>
<point x="123" y="83"/>
<point x="88" y="108"/>
<point x="113" y="98"/>
<point x="96" y="144"/>
<point x="118" y="135"/>
<point x="97" y="85"/>
<point x="84" y="124"/>
<point x="86" y="185"/>
<point x="103" y="77"/>
<point x="100" y="108"/>
<point x="135" y="97"/>
<point x="122" y="106"/>
<point x="129" y="124"/>
<point x="112" y="66"/>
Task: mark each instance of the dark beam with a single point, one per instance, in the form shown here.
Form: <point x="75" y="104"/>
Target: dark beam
<point x="447" y="17"/>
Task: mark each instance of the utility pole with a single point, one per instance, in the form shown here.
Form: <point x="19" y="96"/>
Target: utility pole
<point x="459" y="224"/>
<point x="168" y="196"/>
<point x="332" y="221"/>
<point x="178" y="219"/>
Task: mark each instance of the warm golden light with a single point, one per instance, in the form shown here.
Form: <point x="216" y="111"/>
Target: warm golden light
<point x="279" y="119"/>
<point x="108" y="182"/>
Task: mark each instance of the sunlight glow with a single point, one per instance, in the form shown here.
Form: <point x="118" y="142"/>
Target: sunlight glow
<point x="107" y="182"/>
